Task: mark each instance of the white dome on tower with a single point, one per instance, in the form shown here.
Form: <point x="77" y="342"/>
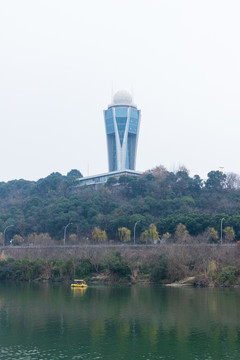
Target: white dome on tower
<point x="122" y="97"/>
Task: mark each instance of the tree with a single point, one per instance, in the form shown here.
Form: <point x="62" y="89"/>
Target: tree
<point x="216" y="180"/>
<point x="124" y="234"/>
<point x="232" y="181"/>
<point x="111" y="181"/>
<point x="166" y="237"/>
<point x="159" y="269"/>
<point x="75" y="173"/>
<point x="39" y="239"/>
<point x="99" y="235"/>
<point x="49" y="184"/>
<point x="144" y="236"/>
<point x="72" y="239"/>
<point x="181" y="234"/>
<point x="229" y="233"/>
<point x="116" y="265"/>
<point x="153" y="234"/>
<point x="159" y="172"/>
<point x="182" y="168"/>
<point x="212" y="234"/>
<point x="16" y="240"/>
<point x="150" y="234"/>
<point x="196" y="185"/>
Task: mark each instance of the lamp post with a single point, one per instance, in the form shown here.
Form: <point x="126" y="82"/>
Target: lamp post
<point x="134" y="231"/>
<point x="4" y="233"/>
<point x="221" y="229"/>
<point x="65" y="230"/>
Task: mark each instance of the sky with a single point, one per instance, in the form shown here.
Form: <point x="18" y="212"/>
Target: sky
<point x="60" y="60"/>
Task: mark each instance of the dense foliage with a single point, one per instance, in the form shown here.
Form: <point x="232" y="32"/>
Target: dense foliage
<point x="208" y="266"/>
<point x="158" y="197"/>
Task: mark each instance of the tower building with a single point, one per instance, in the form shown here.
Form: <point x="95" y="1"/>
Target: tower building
<point x="122" y="120"/>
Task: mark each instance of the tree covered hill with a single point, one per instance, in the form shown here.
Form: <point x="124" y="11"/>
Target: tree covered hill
<point x="177" y="205"/>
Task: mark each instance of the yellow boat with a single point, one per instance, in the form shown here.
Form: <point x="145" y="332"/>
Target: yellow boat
<point x="78" y="284"/>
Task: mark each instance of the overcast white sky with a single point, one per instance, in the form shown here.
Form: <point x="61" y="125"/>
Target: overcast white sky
<point x="59" y="59"/>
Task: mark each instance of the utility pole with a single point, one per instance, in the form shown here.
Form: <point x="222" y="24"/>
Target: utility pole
<point x="4" y="233"/>
<point x="65" y="230"/>
<point x="221" y="229"/>
<point x="134" y="231"/>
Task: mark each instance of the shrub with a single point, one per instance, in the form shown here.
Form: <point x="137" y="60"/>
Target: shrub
<point x="159" y="271"/>
<point x="57" y="270"/>
<point x="116" y="265"/>
<point x="227" y="275"/>
<point x="37" y="268"/>
<point x="83" y="268"/>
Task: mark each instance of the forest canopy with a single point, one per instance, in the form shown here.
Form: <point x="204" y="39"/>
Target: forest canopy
<point x="158" y="199"/>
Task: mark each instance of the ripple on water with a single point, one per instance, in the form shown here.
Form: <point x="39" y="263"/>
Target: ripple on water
<point x="21" y="353"/>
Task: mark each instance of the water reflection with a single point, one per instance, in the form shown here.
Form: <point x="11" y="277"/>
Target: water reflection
<point x="54" y="321"/>
<point x="78" y="291"/>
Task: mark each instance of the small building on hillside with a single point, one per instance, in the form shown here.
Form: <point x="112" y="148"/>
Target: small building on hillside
<point x="101" y="179"/>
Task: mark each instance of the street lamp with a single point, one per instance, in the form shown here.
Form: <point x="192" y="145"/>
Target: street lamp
<point x="4" y="233"/>
<point x="134" y="231"/>
<point x="65" y="230"/>
<point x="221" y="229"/>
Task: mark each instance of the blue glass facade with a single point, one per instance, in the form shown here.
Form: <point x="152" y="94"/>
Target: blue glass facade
<point x="122" y="120"/>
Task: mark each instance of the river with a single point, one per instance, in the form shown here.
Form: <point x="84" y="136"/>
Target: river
<point x="51" y="322"/>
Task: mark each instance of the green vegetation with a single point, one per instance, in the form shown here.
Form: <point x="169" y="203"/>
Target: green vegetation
<point x="205" y="265"/>
<point x="116" y="265"/>
<point x="173" y="207"/>
<point x="38" y="269"/>
<point x="159" y="270"/>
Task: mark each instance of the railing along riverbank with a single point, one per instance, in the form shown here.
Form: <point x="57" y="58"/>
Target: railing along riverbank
<point x="86" y="250"/>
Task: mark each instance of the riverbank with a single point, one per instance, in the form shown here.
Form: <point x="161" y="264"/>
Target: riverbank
<point x="169" y="264"/>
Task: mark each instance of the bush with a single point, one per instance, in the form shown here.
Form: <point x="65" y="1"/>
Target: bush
<point x="57" y="270"/>
<point x="6" y="269"/>
<point x="37" y="268"/>
<point x="159" y="271"/>
<point x="25" y="269"/>
<point x="116" y="265"/>
<point x="227" y="275"/>
<point x="83" y="268"/>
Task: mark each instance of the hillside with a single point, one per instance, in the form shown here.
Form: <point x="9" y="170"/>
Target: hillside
<point x="160" y="199"/>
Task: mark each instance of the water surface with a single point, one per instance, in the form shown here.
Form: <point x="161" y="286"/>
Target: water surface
<point x="51" y="322"/>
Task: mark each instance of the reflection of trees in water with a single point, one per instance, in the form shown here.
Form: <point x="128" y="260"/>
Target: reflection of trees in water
<point x="144" y="316"/>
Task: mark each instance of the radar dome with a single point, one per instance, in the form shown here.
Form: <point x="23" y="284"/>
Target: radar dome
<point x="122" y="97"/>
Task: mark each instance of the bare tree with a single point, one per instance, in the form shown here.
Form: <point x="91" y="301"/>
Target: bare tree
<point x="232" y="181"/>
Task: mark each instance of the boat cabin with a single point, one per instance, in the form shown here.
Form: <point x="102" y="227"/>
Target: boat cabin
<point x="79" y="283"/>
